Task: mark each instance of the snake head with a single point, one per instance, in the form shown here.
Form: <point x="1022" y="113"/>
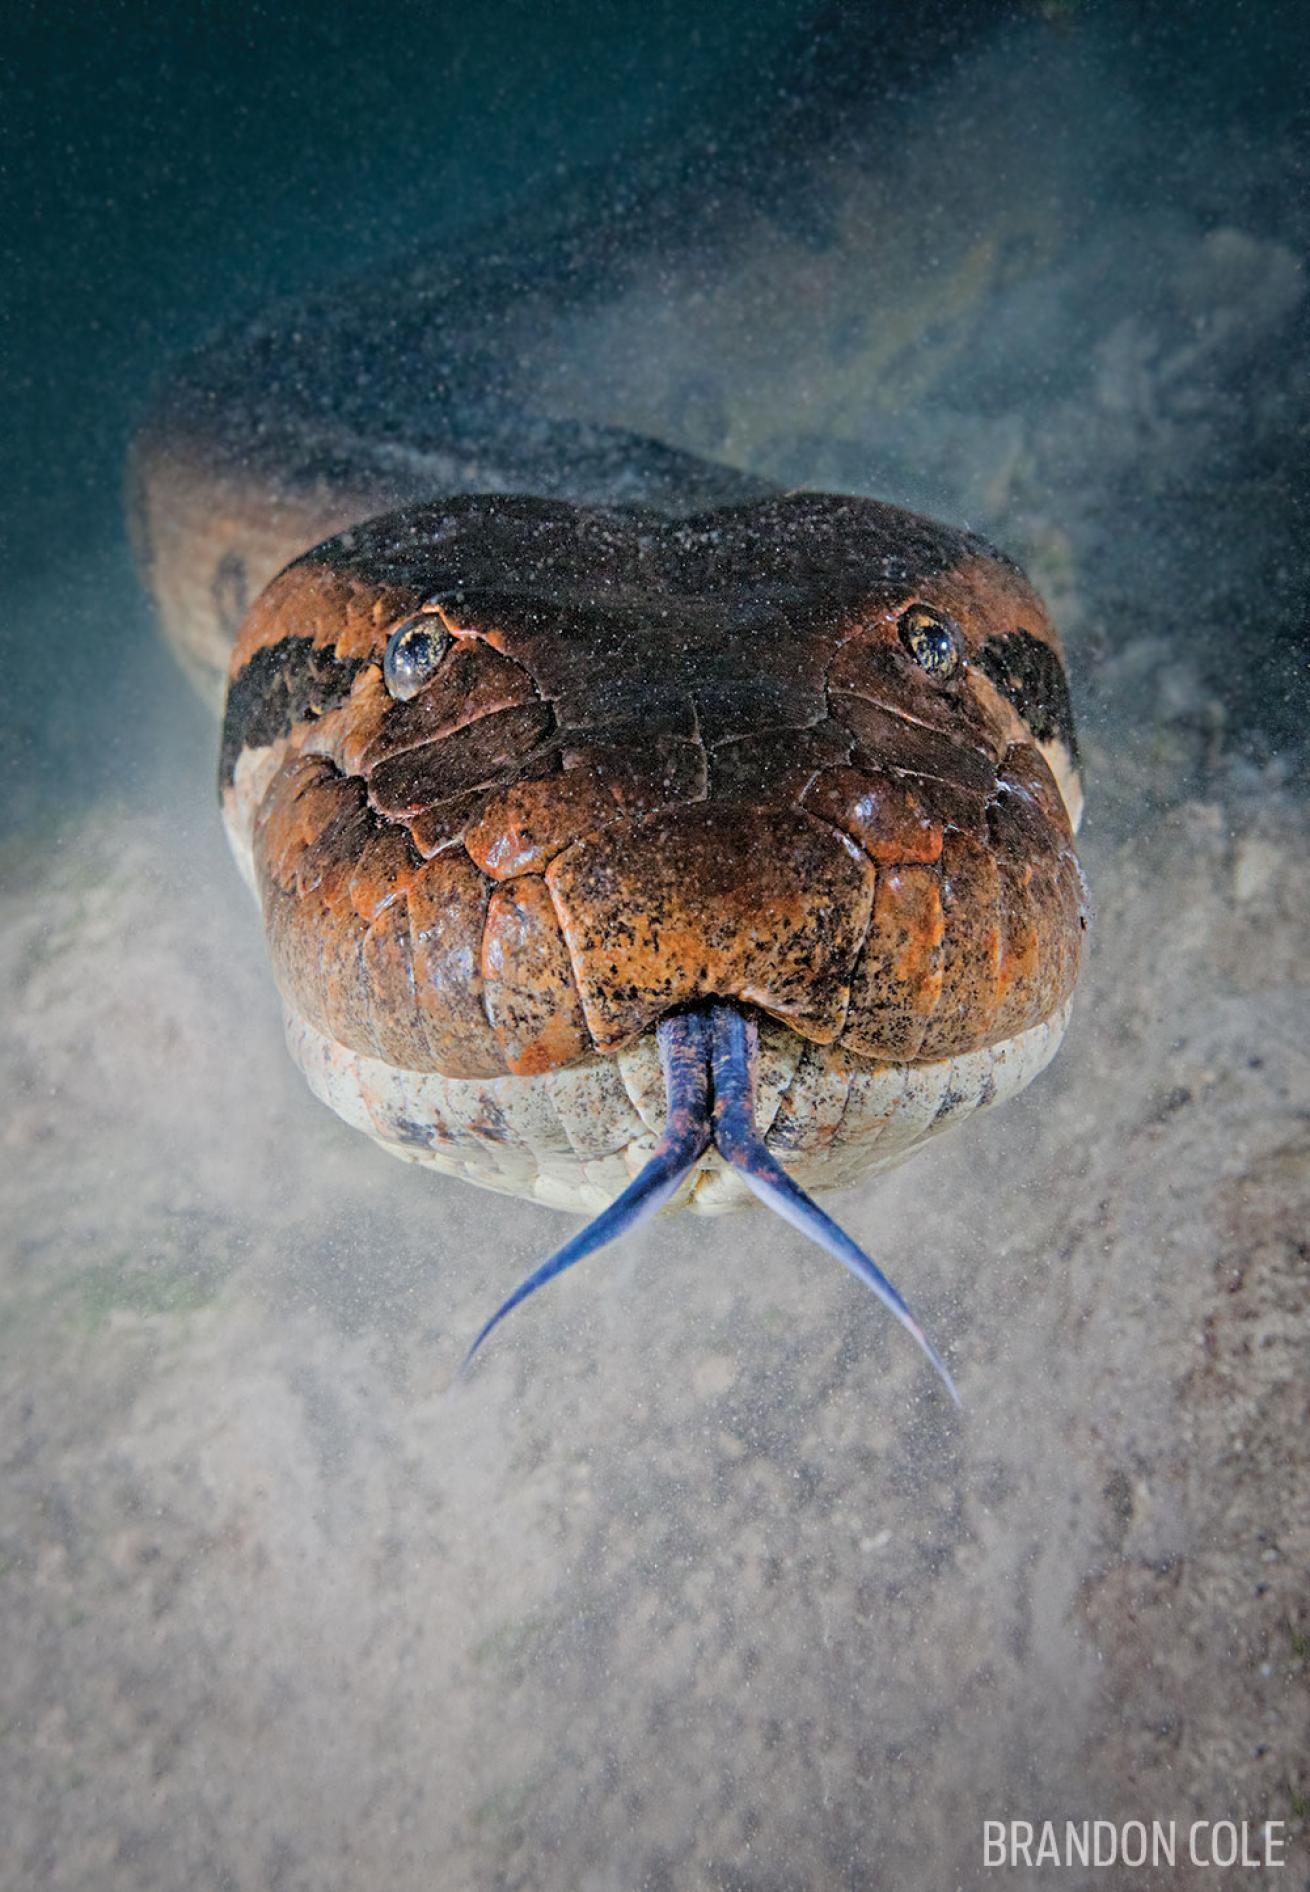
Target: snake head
<point x="578" y="768"/>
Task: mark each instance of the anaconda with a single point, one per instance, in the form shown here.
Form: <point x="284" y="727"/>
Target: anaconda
<point x="627" y="832"/>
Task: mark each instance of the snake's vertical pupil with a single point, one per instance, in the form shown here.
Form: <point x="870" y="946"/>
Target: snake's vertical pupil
<point x="932" y="639"/>
<point x="414" y="650"/>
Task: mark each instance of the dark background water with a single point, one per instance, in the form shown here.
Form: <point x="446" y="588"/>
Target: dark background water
<point x="169" y="169"/>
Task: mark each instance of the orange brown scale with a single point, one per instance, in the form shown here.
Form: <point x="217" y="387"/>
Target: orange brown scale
<point x="531" y="998"/>
<point x="882" y="813"/>
<point x="766" y="905"/>
<point x="520" y="830"/>
<point x="658" y="763"/>
<point x="897" y="984"/>
<point x="644" y="770"/>
<point x="971" y="950"/>
<point x="448" y="911"/>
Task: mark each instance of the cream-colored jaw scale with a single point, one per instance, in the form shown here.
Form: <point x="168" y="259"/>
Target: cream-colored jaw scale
<point x="573" y="1139"/>
<point x="1068" y="777"/>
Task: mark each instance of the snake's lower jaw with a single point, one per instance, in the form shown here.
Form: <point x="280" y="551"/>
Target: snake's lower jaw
<point x="573" y="1139"/>
<point x="709" y="1056"/>
<point x="698" y="1112"/>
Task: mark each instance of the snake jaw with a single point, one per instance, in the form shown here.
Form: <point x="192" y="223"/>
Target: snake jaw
<point x="710" y="1057"/>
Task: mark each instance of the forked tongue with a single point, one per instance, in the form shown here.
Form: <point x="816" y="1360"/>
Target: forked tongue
<point x="714" y="1050"/>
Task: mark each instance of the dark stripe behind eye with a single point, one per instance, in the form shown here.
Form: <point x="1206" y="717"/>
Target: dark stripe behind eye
<point x="1029" y="674"/>
<point x="278" y="688"/>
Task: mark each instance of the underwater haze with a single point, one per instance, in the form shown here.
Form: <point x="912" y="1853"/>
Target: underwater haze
<point x="699" y="1582"/>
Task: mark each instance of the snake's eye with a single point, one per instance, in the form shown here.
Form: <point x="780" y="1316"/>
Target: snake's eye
<point x="932" y="639"/>
<point x="414" y="650"/>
